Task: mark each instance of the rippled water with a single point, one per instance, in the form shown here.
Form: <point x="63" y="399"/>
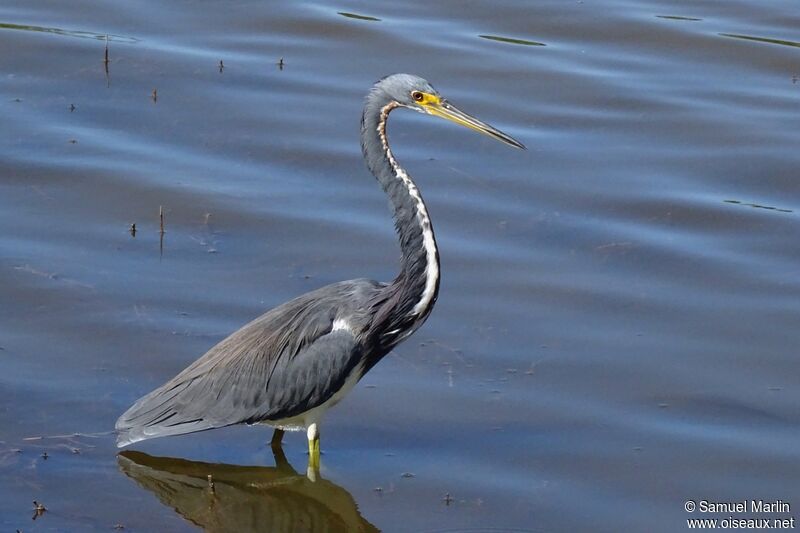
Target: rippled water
<point x="616" y="330"/>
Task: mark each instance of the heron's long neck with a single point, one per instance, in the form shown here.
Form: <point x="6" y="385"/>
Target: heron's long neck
<point x="417" y="285"/>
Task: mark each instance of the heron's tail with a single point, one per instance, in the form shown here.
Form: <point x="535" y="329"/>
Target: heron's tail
<point x="158" y="414"/>
<point x="127" y="436"/>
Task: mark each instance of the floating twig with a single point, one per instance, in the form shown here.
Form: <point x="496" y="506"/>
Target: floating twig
<point x="105" y="65"/>
<point x="38" y="509"/>
<point x="161" y="233"/>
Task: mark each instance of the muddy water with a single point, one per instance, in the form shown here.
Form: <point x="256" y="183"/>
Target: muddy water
<point x="616" y="331"/>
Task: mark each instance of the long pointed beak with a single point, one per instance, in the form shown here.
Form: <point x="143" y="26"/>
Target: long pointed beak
<point x="447" y="110"/>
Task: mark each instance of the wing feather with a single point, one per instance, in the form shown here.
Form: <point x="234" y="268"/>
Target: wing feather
<point x="278" y="366"/>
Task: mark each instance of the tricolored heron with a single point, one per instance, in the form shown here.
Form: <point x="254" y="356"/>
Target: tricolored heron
<point x="287" y="367"/>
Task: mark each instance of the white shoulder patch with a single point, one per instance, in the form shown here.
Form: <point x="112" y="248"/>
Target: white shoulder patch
<point x="341" y="324"/>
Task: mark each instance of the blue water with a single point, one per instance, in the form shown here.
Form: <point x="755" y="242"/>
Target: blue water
<point x="617" y="327"/>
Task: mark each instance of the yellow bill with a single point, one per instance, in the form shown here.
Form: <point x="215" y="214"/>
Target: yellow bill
<point x="441" y="108"/>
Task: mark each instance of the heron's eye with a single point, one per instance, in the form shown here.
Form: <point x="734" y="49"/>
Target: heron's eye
<point x="416" y="95"/>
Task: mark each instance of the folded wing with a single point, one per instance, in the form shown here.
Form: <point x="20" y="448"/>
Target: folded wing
<point x="280" y="365"/>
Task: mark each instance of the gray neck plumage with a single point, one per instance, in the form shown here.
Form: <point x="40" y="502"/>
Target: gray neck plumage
<point x="413" y="293"/>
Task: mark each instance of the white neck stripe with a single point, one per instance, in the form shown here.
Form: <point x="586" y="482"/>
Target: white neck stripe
<point x="428" y="241"/>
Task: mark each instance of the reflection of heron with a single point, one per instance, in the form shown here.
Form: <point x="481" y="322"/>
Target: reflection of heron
<point x="287" y="367"/>
<point x="245" y="498"/>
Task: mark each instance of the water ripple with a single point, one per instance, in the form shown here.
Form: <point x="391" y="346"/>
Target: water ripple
<point x="761" y="39"/>
<point x="511" y="40"/>
<point x="358" y="17"/>
<point x="70" y="33"/>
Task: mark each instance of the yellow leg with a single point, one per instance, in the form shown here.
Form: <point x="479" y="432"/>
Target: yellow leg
<point x="313" y="453"/>
<point x="313" y="447"/>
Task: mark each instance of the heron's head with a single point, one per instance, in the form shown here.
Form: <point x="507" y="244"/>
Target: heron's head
<point x="416" y="93"/>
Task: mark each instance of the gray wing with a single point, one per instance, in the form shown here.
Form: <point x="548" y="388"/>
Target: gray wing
<point x="280" y="365"/>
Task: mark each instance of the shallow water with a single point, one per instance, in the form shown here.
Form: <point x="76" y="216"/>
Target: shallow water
<point x="616" y="331"/>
